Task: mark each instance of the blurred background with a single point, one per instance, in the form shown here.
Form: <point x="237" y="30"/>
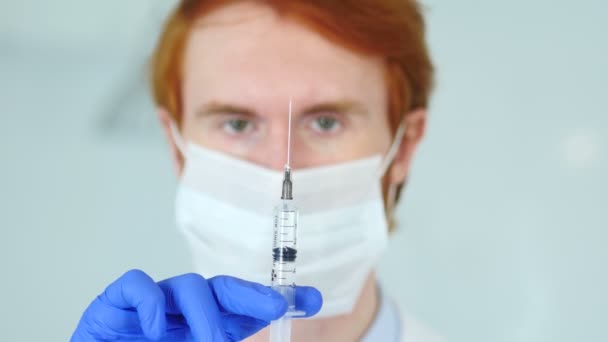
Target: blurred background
<point x="503" y="226"/>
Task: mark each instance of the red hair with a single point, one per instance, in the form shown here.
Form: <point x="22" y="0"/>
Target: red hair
<point x="393" y="29"/>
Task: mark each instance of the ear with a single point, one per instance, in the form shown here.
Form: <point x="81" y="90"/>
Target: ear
<point x="415" y="122"/>
<point x="165" y="122"/>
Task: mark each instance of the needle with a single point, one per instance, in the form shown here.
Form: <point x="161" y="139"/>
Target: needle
<point x="289" y="138"/>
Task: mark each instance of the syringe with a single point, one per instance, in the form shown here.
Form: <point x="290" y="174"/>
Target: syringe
<point x="284" y="252"/>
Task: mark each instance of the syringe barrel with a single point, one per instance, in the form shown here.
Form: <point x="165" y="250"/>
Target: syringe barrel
<point x="285" y="249"/>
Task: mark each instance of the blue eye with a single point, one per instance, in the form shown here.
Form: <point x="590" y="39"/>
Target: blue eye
<point x="237" y="126"/>
<point x="326" y="124"/>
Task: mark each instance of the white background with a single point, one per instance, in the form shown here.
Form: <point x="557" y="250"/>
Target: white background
<point x="503" y="226"/>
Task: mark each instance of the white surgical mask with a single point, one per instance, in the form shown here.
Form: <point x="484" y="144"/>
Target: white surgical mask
<point x="224" y="208"/>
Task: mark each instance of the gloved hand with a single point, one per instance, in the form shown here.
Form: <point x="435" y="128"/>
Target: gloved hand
<point x="185" y="308"/>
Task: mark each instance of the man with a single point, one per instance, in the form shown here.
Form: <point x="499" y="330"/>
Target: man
<point x="359" y="77"/>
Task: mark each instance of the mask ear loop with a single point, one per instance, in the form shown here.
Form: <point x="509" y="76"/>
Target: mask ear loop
<point x="387" y="161"/>
<point x="177" y="137"/>
<point x="393" y="149"/>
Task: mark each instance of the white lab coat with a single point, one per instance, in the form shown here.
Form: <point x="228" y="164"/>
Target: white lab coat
<point x="393" y="324"/>
<point x="415" y="331"/>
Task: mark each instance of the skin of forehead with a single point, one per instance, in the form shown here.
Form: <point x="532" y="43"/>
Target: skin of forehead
<point x="247" y="49"/>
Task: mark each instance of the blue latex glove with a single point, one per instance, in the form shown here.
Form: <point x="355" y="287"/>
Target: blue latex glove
<point x="185" y="308"/>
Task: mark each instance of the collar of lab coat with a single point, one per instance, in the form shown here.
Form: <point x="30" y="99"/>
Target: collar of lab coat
<point x="392" y="324"/>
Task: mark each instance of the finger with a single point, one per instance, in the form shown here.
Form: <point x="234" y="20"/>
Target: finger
<point x="246" y="298"/>
<point x="103" y="322"/>
<point x="135" y="289"/>
<point x="309" y="300"/>
<point x="190" y="296"/>
<point x="177" y="329"/>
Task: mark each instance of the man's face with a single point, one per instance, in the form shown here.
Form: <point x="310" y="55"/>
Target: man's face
<point x="243" y="64"/>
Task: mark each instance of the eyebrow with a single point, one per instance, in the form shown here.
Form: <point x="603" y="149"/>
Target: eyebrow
<point x="342" y="106"/>
<point x="214" y="108"/>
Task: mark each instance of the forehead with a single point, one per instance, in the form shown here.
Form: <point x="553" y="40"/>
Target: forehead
<point x="249" y="50"/>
